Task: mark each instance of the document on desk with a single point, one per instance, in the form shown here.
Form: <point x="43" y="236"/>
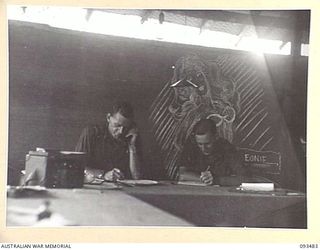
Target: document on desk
<point x="101" y="186"/>
<point x="138" y="182"/>
<point x="191" y="183"/>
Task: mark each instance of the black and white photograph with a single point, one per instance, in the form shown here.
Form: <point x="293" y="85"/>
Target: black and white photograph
<point x="157" y="117"/>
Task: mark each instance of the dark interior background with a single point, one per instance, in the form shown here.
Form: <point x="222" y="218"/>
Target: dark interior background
<point x="62" y="80"/>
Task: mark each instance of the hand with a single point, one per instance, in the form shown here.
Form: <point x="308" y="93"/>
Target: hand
<point x="91" y="174"/>
<point x="113" y="175"/>
<point x="206" y="177"/>
<point x="131" y="137"/>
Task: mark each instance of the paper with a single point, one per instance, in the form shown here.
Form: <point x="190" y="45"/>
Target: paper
<point x="191" y="183"/>
<point x="138" y="182"/>
<point x="72" y="153"/>
<point x="257" y="187"/>
<point x="103" y="186"/>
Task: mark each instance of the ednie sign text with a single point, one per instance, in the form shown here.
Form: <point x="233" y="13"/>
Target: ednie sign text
<point x="268" y="161"/>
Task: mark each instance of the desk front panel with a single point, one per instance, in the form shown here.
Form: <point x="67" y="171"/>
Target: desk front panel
<point x="171" y="205"/>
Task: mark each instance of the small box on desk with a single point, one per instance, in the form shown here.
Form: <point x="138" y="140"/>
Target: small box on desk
<point x="55" y="169"/>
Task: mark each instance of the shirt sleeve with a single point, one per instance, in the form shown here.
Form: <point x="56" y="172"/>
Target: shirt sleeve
<point x="86" y="142"/>
<point x="186" y="158"/>
<point x="231" y="171"/>
<point x="233" y="161"/>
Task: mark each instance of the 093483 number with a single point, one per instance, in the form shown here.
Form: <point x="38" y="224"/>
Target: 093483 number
<point x="308" y="245"/>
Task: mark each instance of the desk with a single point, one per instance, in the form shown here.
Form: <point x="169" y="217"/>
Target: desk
<point x="172" y="205"/>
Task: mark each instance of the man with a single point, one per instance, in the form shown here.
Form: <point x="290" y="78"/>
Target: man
<point x="208" y="158"/>
<point x="113" y="149"/>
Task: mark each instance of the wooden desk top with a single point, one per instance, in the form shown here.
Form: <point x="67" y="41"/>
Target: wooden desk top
<point x="164" y="205"/>
<point x="88" y="207"/>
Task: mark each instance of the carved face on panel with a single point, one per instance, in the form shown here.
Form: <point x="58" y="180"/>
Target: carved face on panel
<point x="189" y="78"/>
<point x="185" y="93"/>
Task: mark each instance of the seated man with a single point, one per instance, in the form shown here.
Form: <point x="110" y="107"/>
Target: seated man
<point x="208" y="158"/>
<point x="112" y="149"/>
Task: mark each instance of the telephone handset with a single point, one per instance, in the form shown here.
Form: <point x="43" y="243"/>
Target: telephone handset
<point x="132" y="132"/>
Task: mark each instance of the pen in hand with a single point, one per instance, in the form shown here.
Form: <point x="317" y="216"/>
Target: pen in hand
<point x="206" y="176"/>
<point x="203" y="172"/>
<point x="208" y="168"/>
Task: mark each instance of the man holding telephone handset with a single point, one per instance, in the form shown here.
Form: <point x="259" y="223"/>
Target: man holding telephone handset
<point x="113" y="150"/>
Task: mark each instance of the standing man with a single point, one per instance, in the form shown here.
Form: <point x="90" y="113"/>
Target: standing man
<point x="208" y="158"/>
<point x="113" y="149"/>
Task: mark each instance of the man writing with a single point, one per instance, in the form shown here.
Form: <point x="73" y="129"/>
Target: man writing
<point x="208" y="158"/>
<point x="113" y="149"/>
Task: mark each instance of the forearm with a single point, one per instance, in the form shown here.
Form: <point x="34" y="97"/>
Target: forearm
<point x="134" y="163"/>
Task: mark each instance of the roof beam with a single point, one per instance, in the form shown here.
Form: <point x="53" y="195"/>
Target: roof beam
<point x="254" y="18"/>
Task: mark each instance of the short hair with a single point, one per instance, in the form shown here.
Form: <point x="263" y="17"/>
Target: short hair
<point x="204" y="126"/>
<point x="124" y="108"/>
